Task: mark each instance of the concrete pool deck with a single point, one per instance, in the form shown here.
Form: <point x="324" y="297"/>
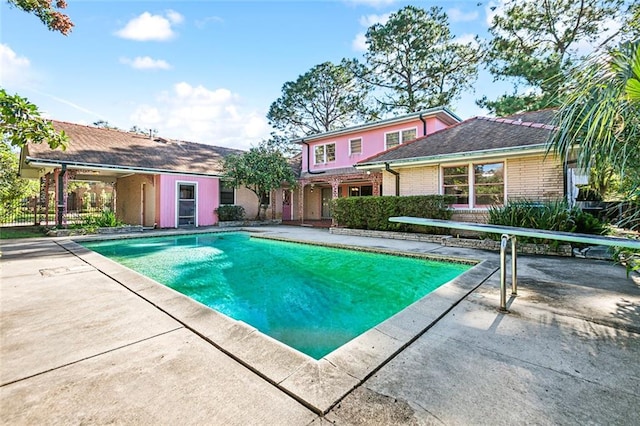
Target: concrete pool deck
<point x="86" y="341"/>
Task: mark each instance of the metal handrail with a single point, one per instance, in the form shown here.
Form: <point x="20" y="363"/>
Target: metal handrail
<point x="510" y="233"/>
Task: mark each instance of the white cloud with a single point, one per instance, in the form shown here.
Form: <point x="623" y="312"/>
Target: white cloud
<point x="359" y="44"/>
<point x="201" y="23"/>
<point x="493" y="8"/>
<point x="466" y="39"/>
<point x="457" y="15"/>
<point x="14" y="70"/>
<point x="148" y="27"/>
<point x="146" y="63"/>
<point x="198" y="114"/>
<point x="174" y="17"/>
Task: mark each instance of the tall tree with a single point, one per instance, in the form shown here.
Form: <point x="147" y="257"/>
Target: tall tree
<point x="20" y="122"/>
<point x="327" y="97"/>
<point x="47" y="11"/>
<point x="261" y="170"/>
<point x="415" y="62"/>
<point x="535" y="44"/>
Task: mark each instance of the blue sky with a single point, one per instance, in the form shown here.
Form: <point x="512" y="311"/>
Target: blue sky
<point x="202" y="71"/>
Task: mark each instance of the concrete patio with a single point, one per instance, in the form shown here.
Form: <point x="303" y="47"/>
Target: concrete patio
<point x="83" y="340"/>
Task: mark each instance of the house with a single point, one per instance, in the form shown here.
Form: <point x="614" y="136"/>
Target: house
<point x="327" y="161"/>
<point x="156" y="181"/>
<point x="480" y="161"/>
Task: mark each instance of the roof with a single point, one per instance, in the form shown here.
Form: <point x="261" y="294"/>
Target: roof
<point x="115" y="149"/>
<point x="446" y="115"/>
<point x="475" y="135"/>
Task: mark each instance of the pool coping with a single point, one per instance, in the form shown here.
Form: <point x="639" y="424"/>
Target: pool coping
<point x="318" y="384"/>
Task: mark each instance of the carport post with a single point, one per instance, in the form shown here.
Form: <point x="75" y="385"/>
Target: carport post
<point x="61" y="190"/>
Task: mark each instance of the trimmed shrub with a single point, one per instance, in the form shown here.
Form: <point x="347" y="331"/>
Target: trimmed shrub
<point x="230" y="213"/>
<point x="374" y="212"/>
<point x="551" y="216"/>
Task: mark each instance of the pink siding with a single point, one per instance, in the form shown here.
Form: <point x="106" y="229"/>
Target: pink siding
<point x="373" y="142"/>
<point x="207" y="199"/>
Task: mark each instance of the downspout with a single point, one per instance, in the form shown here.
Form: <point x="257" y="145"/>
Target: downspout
<point x="396" y="174"/>
<point x="309" y="159"/>
<point x="424" y="125"/>
<point x="61" y="190"/>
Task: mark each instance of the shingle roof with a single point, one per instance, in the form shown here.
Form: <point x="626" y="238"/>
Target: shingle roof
<point x="473" y="135"/>
<point x="118" y="149"/>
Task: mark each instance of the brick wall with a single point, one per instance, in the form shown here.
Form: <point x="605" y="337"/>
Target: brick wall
<point x="534" y="178"/>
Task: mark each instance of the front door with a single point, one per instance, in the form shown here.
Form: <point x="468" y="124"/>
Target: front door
<point x="186" y="204"/>
<point x="326" y="202"/>
<point x="286" y="205"/>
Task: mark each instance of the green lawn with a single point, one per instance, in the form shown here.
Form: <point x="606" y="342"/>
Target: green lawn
<point x="21" y="232"/>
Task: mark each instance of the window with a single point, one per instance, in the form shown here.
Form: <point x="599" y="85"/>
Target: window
<point x="227" y="193"/>
<point x="488" y="184"/>
<point x="396" y="138"/>
<point x="456" y="183"/>
<point x="355" y="146"/>
<point x="483" y="187"/>
<point x="325" y="153"/>
<point x="408" y="135"/>
<point x="392" y="139"/>
<point x="360" y="191"/>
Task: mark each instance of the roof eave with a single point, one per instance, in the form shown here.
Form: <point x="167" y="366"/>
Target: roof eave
<point x="41" y="162"/>
<point x="448" y="158"/>
<point x="452" y="119"/>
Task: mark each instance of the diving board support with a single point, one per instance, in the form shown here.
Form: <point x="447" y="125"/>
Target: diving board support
<point x="504" y="240"/>
<point x="510" y="233"/>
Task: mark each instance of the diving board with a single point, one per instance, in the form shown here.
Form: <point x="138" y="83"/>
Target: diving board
<point x="510" y="233"/>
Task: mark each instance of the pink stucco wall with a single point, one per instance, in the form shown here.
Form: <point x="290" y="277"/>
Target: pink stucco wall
<point x="373" y="142"/>
<point x="207" y="199"/>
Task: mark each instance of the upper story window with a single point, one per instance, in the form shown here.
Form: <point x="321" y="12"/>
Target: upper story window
<point x="474" y="185"/>
<point x="355" y="146"/>
<point x="324" y="153"/>
<point x="227" y="193"/>
<point x="392" y="139"/>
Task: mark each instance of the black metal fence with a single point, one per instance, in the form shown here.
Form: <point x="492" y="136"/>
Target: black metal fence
<point x="30" y="211"/>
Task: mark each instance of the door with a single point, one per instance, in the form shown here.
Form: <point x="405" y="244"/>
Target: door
<point x="286" y="205"/>
<point x="186" y="204"/>
<point x="326" y="202"/>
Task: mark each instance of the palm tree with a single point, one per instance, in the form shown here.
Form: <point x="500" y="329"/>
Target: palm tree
<point x="600" y="118"/>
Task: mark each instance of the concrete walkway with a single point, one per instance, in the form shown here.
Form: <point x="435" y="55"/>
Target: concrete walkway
<point x="80" y="346"/>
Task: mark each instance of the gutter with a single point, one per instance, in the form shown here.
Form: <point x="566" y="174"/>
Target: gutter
<point x="397" y="175"/>
<point x="36" y="162"/>
<point x="309" y="159"/>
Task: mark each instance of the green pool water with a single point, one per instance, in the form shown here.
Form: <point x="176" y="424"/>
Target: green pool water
<point x="312" y="298"/>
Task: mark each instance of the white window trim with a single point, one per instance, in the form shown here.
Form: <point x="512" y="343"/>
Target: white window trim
<point x="355" y="139"/>
<point x="472" y="182"/>
<point x="399" y="132"/>
<point x="177" y="201"/>
<point x="324" y="153"/>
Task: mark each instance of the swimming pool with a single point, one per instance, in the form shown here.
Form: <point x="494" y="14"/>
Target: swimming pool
<point x="311" y="298"/>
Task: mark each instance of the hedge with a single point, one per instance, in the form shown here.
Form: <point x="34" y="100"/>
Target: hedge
<point x="374" y="212"/>
<point x="230" y="213"/>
